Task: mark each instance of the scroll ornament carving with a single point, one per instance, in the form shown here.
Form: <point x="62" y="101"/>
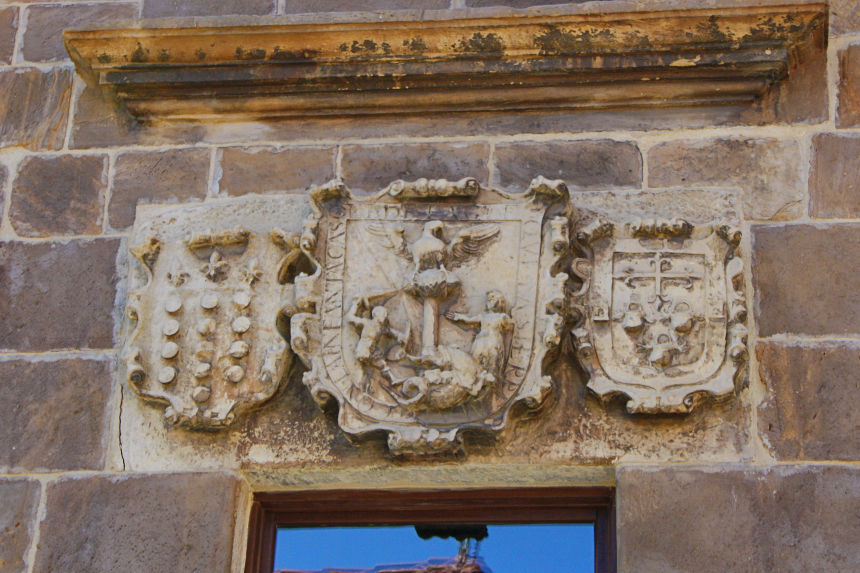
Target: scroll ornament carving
<point x="665" y="309"/>
<point x="420" y="319"/>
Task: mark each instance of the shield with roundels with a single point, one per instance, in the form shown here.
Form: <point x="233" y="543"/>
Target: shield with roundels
<point x="665" y="312"/>
<point x="435" y="307"/>
<point x="204" y="306"/>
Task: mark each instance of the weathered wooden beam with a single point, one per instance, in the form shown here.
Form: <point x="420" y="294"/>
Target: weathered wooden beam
<point x="583" y="61"/>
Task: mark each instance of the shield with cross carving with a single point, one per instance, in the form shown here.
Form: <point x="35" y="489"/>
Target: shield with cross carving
<point x="665" y="312"/>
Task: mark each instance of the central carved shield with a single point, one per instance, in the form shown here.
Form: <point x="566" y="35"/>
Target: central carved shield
<point x="433" y="308"/>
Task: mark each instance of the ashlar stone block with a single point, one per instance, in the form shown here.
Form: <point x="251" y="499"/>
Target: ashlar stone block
<point x="35" y="123"/>
<point x="245" y="170"/>
<point x="369" y="168"/>
<point x="55" y="414"/>
<point x="43" y="38"/>
<point x="809" y="412"/>
<point x="43" y="312"/>
<point x="787" y="300"/>
<point x="9" y="19"/>
<point x="317" y="6"/>
<point x="176" y="175"/>
<point x="97" y="123"/>
<point x="59" y="195"/>
<point x="19" y="498"/>
<point x="844" y="17"/>
<point x="177" y="8"/>
<point x="601" y="164"/>
<point x="732" y="518"/>
<point x="834" y="180"/>
<point x="512" y="3"/>
<point x="767" y="170"/>
<point x="165" y="522"/>
<point x="848" y="109"/>
<point x="3" y="176"/>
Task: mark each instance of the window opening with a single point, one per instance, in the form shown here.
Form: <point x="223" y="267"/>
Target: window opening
<point x="552" y="517"/>
<point x="519" y="548"/>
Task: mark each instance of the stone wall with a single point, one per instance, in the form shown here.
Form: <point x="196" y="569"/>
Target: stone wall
<point x="92" y="480"/>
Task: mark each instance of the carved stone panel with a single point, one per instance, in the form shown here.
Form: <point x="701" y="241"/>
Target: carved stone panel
<point x="665" y="309"/>
<point x="204" y="303"/>
<point x="435" y="307"/>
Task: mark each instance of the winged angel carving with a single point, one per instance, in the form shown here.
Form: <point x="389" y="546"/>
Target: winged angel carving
<point x="450" y="375"/>
<point x="432" y="256"/>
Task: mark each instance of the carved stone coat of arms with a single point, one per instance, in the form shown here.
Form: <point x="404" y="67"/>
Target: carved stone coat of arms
<point x="434" y="307"/>
<point x="665" y="311"/>
<point x="205" y="296"/>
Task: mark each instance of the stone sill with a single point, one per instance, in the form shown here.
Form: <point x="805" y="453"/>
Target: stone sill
<point x="714" y="57"/>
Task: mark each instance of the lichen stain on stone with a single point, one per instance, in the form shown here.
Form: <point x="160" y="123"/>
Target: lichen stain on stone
<point x="637" y="40"/>
<point x="374" y="79"/>
<point x="362" y="47"/>
<point x="366" y="48"/>
<point x="416" y="45"/>
<point x="140" y="55"/>
<point x="481" y="44"/>
<point x="304" y="55"/>
<point x="555" y="41"/>
<point x="769" y="28"/>
<point x="253" y="54"/>
<point x="711" y="31"/>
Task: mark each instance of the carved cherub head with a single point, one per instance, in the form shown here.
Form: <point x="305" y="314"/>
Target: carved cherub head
<point x="379" y="314"/>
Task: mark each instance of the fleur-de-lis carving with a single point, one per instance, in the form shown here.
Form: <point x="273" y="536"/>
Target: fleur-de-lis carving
<point x="251" y="272"/>
<point x="176" y="276"/>
<point x="216" y="269"/>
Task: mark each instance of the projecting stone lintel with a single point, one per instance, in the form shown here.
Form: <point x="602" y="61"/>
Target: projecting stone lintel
<point x="511" y="63"/>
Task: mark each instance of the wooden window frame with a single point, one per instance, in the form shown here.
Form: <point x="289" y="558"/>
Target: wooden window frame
<point x="497" y="506"/>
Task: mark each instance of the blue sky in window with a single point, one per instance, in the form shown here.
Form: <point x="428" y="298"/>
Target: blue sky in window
<point x="560" y="548"/>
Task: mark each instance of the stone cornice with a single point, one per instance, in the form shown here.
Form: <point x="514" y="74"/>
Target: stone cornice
<point x="514" y="63"/>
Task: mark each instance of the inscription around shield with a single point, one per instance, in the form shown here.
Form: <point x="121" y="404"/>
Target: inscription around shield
<point x="421" y="319"/>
